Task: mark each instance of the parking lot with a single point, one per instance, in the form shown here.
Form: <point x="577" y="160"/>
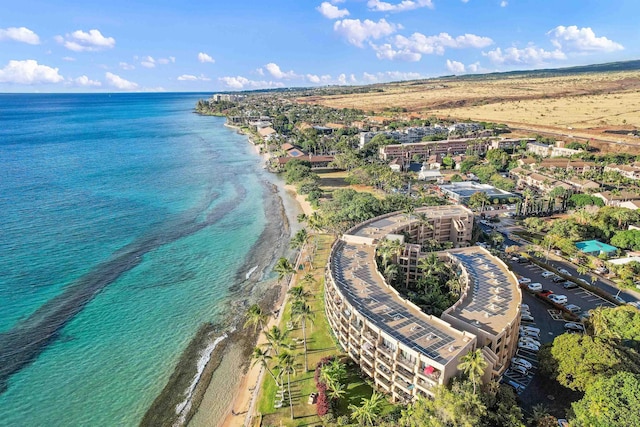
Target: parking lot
<point x="578" y="296"/>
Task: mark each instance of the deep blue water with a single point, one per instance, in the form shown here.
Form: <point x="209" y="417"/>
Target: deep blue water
<point x="88" y="181"/>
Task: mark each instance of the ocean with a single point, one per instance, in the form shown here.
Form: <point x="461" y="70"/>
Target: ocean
<point x="126" y="222"/>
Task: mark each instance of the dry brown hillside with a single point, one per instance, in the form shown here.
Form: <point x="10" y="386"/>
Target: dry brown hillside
<point x="578" y="106"/>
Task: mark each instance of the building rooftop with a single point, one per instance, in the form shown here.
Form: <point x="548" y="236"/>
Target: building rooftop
<point x="354" y="271"/>
<point x="488" y="303"/>
<point x="595" y="246"/>
<point x="466" y="189"/>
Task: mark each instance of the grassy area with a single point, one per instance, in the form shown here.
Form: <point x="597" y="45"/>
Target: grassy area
<point x="320" y="344"/>
<point x="335" y="180"/>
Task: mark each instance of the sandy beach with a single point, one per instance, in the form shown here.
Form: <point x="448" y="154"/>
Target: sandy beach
<point x="229" y="400"/>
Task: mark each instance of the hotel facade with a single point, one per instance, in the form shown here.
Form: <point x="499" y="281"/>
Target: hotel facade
<point x="404" y="350"/>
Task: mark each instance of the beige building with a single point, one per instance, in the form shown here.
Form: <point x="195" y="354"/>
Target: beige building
<point x="627" y="171"/>
<point x="404" y="350"/>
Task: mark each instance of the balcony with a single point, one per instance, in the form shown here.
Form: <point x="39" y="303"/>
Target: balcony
<point x="372" y="338"/>
<point x="404" y="396"/>
<point x="386" y="350"/>
<point x="369" y="350"/>
<point x="386" y="361"/>
<point x="406" y="363"/>
<point x="404" y="374"/>
<point x="382" y="382"/>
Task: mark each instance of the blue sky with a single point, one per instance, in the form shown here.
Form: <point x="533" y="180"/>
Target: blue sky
<point x="214" y="45"/>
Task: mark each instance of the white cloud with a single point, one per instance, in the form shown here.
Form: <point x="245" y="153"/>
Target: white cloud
<point x="386" y="51"/>
<point x="80" y="41"/>
<point x="529" y="55"/>
<point x="276" y="72"/>
<point x="357" y="32"/>
<point x="581" y="39"/>
<point x="120" y="83"/>
<point x="86" y="81"/>
<point x="68" y="58"/>
<point x="413" y="47"/>
<point x="314" y="78"/>
<point x="455" y="67"/>
<point x="192" y="78"/>
<point x="404" y="5"/>
<point x="21" y="34"/>
<point x="389" y="76"/>
<point x="240" y="82"/>
<point x="148" y="62"/>
<point x="29" y="72"/>
<point x="126" y="66"/>
<point x="332" y="12"/>
<point x="203" y="57"/>
<point x="504" y="3"/>
<point x="474" y="68"/>
<point x="465" y="1"/>
<point x="169" y="60"/>
<point x="342" y="79"/>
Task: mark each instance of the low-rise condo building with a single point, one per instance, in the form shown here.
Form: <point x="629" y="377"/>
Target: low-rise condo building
<point x="404" y="350"/>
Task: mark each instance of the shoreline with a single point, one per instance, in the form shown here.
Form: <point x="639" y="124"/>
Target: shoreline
<point x="233" y="371"/>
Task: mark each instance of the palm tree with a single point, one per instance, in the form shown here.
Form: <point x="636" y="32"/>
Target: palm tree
<point x="299" y="294"/>
<point x="262" y="357"/>
<point x="387" y="249"/>
<point x="315" y="222"/>
<point x="473" y="365"/>
<point x="582" y="269"/>
<point x="430" y="264"/>
<point x="333" y="374"/>
<point x="277" y="338"/>
<point x="302" y="218"/>
<point x="390" y="272"/>
<point x="308" y="279"/>
<point x="423" y="220"/>
<point x="368" y="410"/>
<point x="301" y="313"/>
<point x="408" y="211"/>
<point x="255" y="317"/>
<point x="300" y="239"/>
<point x="283" y="267"/>
<point x="287" y="365"/>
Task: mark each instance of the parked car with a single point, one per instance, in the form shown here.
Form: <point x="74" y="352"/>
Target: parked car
<point x="601" y="270"/>
<point x="557" y="279"/>
<point x="530" y="340"/>
<point x="517" y="387"/>
<point x="515" y="258"/>
<point x="570" y="285"/>
<point x="521" y="361"/>
<point x="524" y="307"/>
<point x="546" y="274"/>
<point x="573" y="326"/>
<point x="526" y="317"/>
<point x="524" y="260"/>
<point x="584" y="281"/>
<point x="529" y="331"/>
<point x="524" y="280"/>
<point x="545" y="292"/>
<point x="619" y="299"/>
<point x="534" y="287"/>
<point x="564" y="271"/>
<point x="519" y="369"/>
<point x="530" y="334"/>
<point x="527" y="346"/>
<point x="558" y="299"/>
<point x="573" y="308"/>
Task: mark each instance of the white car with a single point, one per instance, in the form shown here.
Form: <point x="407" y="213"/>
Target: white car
<point x="519" y="369"/>
<point x="522" y="362"/>
<point x="524" y="280"/>
<point x="547" y="274"/>
<point x="584" y="281"/>
<point x="558" y="299"/>
<point x="530" y="341"/>
<point x="534" y="287"/>
<point x="530" y="334"/>
<point x="573" y="326"/>
<point x="524" y="307"/>
<point x="564" y="271"/>
<point x="526" y="317"/>
<point x="619" y="299"/>
<point x="530" y="329"/>
<point x="527" y="346"/>
<point x="575" y="309"/>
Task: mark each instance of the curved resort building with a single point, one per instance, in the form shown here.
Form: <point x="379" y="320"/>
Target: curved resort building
<point x="404" y="350"/>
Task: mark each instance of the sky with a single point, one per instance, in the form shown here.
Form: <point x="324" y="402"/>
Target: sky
<point x="216" y="45"/>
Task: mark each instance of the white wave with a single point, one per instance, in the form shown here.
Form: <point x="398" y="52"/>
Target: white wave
<point x="250" y="272"/>
<point x="183" y="407"/>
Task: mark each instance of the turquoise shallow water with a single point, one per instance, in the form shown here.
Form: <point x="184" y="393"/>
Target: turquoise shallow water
<point x="84" y="176"/>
